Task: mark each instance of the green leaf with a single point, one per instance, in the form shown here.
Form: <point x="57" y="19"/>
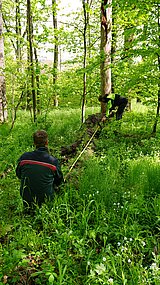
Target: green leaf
<point x="51" y="279"/>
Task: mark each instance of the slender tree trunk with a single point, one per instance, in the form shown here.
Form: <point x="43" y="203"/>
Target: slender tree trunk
<point x="31" y="63"/>
<point x="55" y="62"/>
<point x="18" y="32"/>
<point x="37" y="81"/>
<point x="84" y="61"/>
<point x="3" y="102"/>
<point x="158" y="103"/>
<point x="89" y="4"/>
<point x="113" y="51"/>
<point x="105" y="49"/>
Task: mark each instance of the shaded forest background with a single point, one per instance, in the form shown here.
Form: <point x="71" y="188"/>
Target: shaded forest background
<point x="72" y="75"/>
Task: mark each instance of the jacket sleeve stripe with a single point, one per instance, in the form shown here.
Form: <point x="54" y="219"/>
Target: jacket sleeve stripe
<point x="26" y="161"/>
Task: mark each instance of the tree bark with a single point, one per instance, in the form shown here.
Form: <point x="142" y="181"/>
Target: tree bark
<point x="18" y="32"/>
<point x="31" y="63"/>
<point x="84" y="61"/>
<point x="105" y="50"/>
<point x="158" y="103"/>
<point x="55" y="60"/>
<point x="3" y="101"/>
<point x="37" y="82"/>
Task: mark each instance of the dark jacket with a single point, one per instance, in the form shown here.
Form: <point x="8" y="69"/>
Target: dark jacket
<point x="118" y="101"/>
<point x="39" y="173"/>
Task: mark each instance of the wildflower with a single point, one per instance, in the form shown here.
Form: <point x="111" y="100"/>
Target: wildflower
<point x="125" y="238"/>
<point x="88" y="263"/>
<point x="130" y="239"/>
<point x="129" y="260"/>
<point x="154" y="267"/>
<point x="100" y="268"/>
<point x="118" y="243"/>
<point x="110" y="280"/>
<point x="143" y="243"/>
<point x="104" y="258"/>
<point x="97" y="192"/>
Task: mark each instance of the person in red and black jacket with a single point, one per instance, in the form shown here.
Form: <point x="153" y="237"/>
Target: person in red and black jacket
<point x="39" y="172"/>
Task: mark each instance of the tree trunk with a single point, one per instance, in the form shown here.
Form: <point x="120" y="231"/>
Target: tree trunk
<point x="158" y="103"/>
<point x="105" y="50"/>
<point x="113" y="51"/>
<point x="84" y="61"/>
<point x="37" y="81"/>
<point x="89" y="4"/>
<point x="18" y="32"/>
<point x="3" y="102"/>
<point x="55" y="62"/>
<point x="31" y="63"/>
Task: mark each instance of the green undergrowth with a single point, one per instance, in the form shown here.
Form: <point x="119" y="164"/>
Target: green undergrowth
<point x="103" y="226"/>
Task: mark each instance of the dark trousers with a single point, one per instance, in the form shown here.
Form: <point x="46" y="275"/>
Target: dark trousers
<point x="120" y="111"/>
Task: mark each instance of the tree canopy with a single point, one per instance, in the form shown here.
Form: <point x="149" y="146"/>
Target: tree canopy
<point x="45" y="49"/>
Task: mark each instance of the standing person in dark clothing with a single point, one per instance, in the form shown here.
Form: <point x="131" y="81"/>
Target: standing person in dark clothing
<point x="119" y="101"/>
<point x="39" y="172"/>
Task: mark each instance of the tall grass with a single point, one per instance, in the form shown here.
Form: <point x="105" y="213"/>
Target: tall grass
<point x="103" y="226"/>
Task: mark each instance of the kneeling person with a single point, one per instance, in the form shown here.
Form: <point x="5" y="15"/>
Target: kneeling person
<point x="39" y="172"/>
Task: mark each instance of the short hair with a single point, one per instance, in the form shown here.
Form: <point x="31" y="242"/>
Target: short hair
<point x="104" y="99"/>
<point x="40" y="138"/>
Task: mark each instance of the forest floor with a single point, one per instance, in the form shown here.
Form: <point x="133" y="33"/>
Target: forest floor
<point x="103" y="226"/>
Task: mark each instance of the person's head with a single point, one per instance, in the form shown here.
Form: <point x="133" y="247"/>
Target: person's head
<point x="40" y="138"/>
<point x="104" y="99"/>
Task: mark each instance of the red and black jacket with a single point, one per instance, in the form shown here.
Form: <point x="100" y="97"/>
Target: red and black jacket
<point x="39" y="173"/>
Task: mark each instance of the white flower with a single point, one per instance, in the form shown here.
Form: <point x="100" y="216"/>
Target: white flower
<point x="100" y="268"/>
<point x="118" y="243"/>
<point x="154" y="267"/>
<point x="143" y="243"/>
<point x="104" y="258"/>
<point x="88" y="263"/>
<point x="129" y="260"/>
<point x="110" y="280"/>
<point x="125" y="238"/>
<point x="130" y="239"/>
